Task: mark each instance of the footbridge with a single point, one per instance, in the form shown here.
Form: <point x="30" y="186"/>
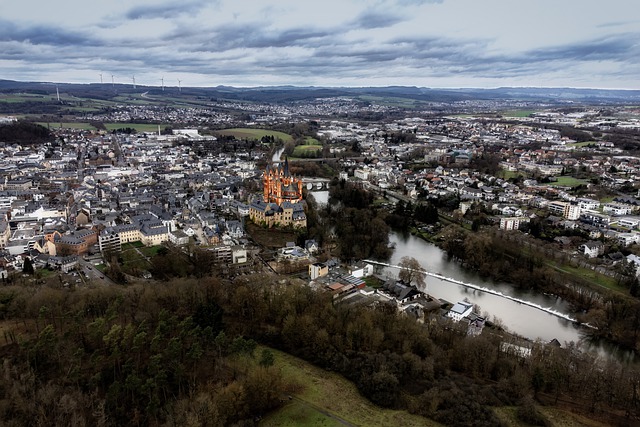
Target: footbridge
<point x="485" y="290"/>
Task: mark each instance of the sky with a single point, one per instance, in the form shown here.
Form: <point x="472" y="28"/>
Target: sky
<point x="248" y="43"/>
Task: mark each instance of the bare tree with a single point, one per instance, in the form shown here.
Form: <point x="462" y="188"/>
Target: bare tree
<point x="411" y="271"/>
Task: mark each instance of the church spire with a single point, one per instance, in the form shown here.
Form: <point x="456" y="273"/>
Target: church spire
<point x="286" y="166"/>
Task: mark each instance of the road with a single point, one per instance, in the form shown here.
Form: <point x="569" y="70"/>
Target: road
<point x="92" y="275"/>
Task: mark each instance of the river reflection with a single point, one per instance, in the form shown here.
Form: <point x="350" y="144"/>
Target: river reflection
<point x="521" y="319"/>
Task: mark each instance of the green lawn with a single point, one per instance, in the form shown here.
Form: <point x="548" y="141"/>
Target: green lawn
<point x="320" y="392"/>
<point x="151" y="251"/>
<point x="507" y="174"/>
<point x="567" y="181"/>
<point x="306" y="150"/>
<point x="252" y="133"/>
<point x="131" y="245"/>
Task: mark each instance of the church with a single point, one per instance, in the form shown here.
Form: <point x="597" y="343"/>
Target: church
<point x="282" y="199"/>
<point x="279" y="186"/>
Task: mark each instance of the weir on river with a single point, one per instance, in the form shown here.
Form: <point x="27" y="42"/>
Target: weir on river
<point x="483" y="289"/>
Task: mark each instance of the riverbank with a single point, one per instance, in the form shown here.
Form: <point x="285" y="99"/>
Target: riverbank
<point x="582" y="302"/>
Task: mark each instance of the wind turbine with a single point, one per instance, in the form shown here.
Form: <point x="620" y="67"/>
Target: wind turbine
<point x="58" y="93"/>
<point x="100" y="78"/>
<point x="112" y="83"/>
<point x="134" y="81"/>
<point x="179" y="87"/>
<point x="162" y="83"/>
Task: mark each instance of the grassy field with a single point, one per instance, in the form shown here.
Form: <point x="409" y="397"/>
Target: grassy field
<point x="567" y="181"/>
<point x="251" y="133"/>
<point x="305" y="150"/>
<point x="518" y="113"/>
<point x="140" y="127"/>
<point x="323" y="395"/>
<point x="16" y="98"/>
<point x="391" y="101"/>
<point x="507" y="174"/>
<point x="151" y="251"/>
<point x="582" y="144"/>
<point x="591" y="276"/>
<point x="67" y="125"/>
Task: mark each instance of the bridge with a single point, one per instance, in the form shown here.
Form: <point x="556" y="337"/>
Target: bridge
<point x="485" y="290"/>
<point x="316" y="184"/>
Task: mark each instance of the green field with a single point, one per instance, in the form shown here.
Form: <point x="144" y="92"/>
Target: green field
<point x="305" y="150"/>
<point x="67" y="125"/>
<point x="16" y="98"/>
<point x="507" y="174"/>
<point x="321" y="396"/>
<point x="567" y="181"/>
<point x="518" y="113"/>
<point x="251" y="133"/>
<point x="140" y="127"/>
<point x="582" y="144"/>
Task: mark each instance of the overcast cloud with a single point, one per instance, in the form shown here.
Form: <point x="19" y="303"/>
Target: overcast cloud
<point x="431" y="43"/>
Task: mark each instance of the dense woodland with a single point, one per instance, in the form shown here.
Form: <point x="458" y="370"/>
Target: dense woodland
<point x="24" y="132"/>
<point x="184" y="353"/>
<point x="359" y="226"/>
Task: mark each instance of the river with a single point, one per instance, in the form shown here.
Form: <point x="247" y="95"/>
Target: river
<point x="524" y="320"/>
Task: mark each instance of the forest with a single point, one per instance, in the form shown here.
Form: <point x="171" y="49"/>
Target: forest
<point x="24" y="132"/>
<point x="183" y="352"/>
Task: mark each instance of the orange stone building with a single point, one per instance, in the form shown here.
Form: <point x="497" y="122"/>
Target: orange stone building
<point x="279" y="186"/>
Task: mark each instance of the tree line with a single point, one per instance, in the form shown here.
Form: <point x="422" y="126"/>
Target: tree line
<point x="142" y="355"/>
<point x="24" y="132"/>
<point x="185" y="352"/>
<point x="358" y="225"/>
<point x="517" y="260"/>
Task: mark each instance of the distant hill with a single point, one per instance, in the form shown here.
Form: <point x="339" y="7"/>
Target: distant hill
<point x="286" y="94"/>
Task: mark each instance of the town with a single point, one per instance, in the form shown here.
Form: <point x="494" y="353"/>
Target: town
<point x="90" y="192"/>
<point x="246" y="191"/>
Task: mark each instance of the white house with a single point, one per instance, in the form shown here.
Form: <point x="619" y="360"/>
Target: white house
<point x="592" y="249"/>
<point x="459" y="311"/>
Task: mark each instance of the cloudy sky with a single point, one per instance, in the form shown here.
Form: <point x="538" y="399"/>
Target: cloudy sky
<point x="431" y="43"/>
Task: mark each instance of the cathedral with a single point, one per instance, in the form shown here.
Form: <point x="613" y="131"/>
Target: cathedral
<point x="282" y="205"/>
<point x="279" y="186"/>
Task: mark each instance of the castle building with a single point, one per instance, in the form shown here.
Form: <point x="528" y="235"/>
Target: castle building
<point x="279" y="186"/>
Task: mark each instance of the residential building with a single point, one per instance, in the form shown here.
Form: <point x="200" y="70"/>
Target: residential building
<point x="592" y="249"/>
<point x="318" y="269"/>
<point x="459" y="311"/>
<point x="512" y="223"/>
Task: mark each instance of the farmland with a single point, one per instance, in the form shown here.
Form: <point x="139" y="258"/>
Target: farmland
<point x="253" y="133"/>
